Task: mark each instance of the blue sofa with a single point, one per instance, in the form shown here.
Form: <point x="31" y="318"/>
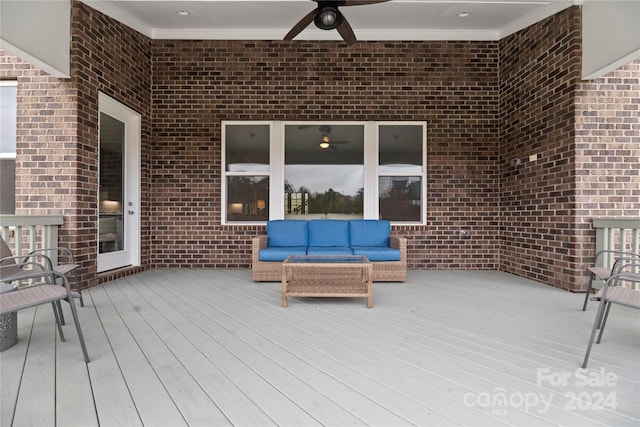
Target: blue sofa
<point x="371" y="238"/>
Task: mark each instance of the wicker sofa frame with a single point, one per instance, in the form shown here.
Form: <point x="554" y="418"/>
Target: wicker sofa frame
<point x="383" y="271"/>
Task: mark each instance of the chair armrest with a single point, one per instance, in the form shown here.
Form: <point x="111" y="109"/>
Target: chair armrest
<point x="36" y="271"/>
<point x="260" y="242"/>
<point x="57" y="249"/>
<point x="257" y="243"/>
<point x="398" y="242"/>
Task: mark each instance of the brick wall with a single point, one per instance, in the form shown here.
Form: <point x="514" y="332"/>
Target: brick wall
<point x="451" y="85"/>
<point x="540" y="72"/>
<point x="607" y="151"/>
<point x="57" y="133"/>
<point x="108" y="56"/>
<point x="46" y="158"/>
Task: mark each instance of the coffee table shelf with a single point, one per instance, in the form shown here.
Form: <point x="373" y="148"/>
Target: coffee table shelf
<point x="327" y="276"/>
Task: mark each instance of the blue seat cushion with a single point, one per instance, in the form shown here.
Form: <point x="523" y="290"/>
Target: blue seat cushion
<point x="329" y="250"/>
<point x="280" y="253"/>
<point x="375" y="253"/>
<point x="327" y="232"/>
<point x="370" y="232"/>
<point x="287" y="233"/>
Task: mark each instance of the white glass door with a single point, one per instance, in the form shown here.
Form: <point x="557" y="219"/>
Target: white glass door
<point x="119" y="184"/>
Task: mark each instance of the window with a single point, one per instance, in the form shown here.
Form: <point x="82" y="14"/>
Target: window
<point x="400" y="170"/>
<point x="246" y="160"/>
<point x="8" y="109"/>
<point x="323" y="170"/>
<point x="333" y="170"/>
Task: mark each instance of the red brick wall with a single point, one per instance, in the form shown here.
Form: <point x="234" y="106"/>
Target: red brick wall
<point x="57" y="131"/>
<point x="540" y="72"/>
<point x="46" y="159"/>
<point x="607" y="151"/>
<point x="108" y="56"/>
<point x="453" y="86"/>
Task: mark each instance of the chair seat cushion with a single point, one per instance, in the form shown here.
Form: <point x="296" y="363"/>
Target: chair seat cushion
<point x="329" y="250"/>
<point x="377" y="253"/>
<point x="280" y="253"/>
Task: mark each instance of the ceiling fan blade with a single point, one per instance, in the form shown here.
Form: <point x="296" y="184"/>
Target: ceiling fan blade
<point x="346" y="32"/>
<point x="359" y="2"/>
<point x="301" y="25"/>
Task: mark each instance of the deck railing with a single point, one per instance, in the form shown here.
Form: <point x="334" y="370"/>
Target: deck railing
<point x="617" y="234"/>
<point x="25" y="233"/>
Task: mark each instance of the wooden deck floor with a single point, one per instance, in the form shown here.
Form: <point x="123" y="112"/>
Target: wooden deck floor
<point x="212" y="348"/>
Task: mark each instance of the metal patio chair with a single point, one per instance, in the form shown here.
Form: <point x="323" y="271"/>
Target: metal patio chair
<point x="604" y="266"/>
<point x="43" y="256"/>
<point x="49" y="291"/>
<point x="614" y="293"/>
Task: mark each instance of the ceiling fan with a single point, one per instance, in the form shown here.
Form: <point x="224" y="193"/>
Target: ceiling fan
<point x="327" y="17"/>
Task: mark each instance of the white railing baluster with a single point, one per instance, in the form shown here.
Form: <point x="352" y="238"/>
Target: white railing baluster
<point x="42" y="232"/>
<point x="628" y="237"/>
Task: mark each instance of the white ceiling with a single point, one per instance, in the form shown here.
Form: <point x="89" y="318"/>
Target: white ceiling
<point x="272" y="19"/>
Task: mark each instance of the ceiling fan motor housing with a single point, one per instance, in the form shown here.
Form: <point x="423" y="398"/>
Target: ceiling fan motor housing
<point x="328" y="16"/>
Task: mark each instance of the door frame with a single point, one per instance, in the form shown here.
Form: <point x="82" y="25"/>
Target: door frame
<point x="130" y="254"/>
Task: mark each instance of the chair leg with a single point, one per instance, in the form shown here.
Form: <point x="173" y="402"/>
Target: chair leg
<point x="56" y="314"/>
<point x="603" y="322"/>
<point x="60" y="314"/>
<point x="586" y="298"/>
<point x="77" y="322"/>
<point x="596" y="324"/>
<point x="75" y="277"/>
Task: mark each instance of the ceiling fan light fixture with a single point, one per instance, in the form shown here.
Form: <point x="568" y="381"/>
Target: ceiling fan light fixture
<point x="324" y="144"/>
<point x="328" y="18"/>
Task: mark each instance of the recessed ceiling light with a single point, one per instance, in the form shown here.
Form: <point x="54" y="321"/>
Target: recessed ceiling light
<point x="464" y="14"/>
<point x="183" y="13"/>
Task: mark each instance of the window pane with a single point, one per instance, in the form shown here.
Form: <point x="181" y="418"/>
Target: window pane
<point x="247" y="198"/>
<point x="8" y="108"/>
<point x="327" y="178"/>
<point x="400" y="198"/>
<point x="400" y="148"/>
<point x="247" y="148"/>
<point x="7" y="189"/>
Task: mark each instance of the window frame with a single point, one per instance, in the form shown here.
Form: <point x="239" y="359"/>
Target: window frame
<point x="422" y="174"/>
<point x="277" y="164"/>
<point x="225" y="174"/>
<point x="10" y="157"/>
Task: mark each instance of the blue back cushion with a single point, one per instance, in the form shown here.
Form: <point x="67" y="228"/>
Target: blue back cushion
<point x="283" y="232"/>
<point x="370" y="232"/>
<point x="327" y="232"/>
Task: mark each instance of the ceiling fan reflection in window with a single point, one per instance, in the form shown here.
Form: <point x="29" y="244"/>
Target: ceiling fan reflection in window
<point x="326" y="142"/>
<point x="327" y="16"/>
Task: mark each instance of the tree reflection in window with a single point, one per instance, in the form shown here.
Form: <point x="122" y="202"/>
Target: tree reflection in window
<point x="329" y="180"/>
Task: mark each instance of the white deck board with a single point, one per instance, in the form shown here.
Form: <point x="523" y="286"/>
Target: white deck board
<point x="239" y="391"/>
<point x="153" y="402"/>
<point x="40" y="359"/>
<point x="195" y="347"/>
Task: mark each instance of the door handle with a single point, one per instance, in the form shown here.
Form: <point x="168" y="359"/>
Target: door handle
<point x="130" y="212"/>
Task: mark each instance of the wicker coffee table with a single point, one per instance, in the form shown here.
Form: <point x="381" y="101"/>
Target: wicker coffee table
<point x="327" y="276"/>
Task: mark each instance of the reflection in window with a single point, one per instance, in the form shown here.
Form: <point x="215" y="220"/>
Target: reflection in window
<point x="8" y="109"/>
<point x="400" y="198"/>
<point x="324" y="170"/>
<point x="400" y="170"/>
<point x="247" y="171"/>
<point x="248" y="198"/>
<point x="111" y="223"/>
